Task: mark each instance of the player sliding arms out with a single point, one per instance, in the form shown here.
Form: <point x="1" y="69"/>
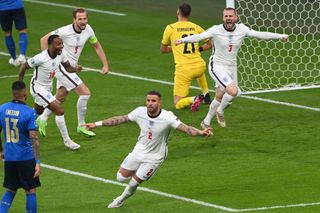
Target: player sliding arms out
<point x="152" y="145"/>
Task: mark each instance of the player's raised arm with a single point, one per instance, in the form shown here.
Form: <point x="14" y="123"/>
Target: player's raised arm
<point x="267" y="35"/>
<point x="44" y="42"/>
<point x="194" y="38"/>
<point x="190" y="130"/>
<point x="114" y="121"/>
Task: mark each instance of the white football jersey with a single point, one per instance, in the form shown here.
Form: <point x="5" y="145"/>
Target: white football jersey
<point x="227" y="43"/>
<point x="154" y="132"/>
<point x="45" y="67"/>
<point x="74" y="42"/>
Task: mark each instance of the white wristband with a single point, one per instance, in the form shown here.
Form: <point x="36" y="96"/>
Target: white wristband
<point x="98" y="123"/>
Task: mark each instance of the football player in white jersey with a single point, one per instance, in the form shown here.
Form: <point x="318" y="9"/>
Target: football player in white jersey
<point x="46" y="65"/>
<point x="74" y="37"/>
<point x="227" y="39"/>
<point x="151" y="149"/>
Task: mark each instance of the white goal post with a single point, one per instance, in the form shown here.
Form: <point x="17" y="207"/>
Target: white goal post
<point x="276" y="65"/>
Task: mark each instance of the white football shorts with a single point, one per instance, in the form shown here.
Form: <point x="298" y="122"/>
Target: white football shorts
<point x="222" y="75"/>
<point x="144" y="170"/>
<point x="67" y="80"/>
<point x="42" y="95"/>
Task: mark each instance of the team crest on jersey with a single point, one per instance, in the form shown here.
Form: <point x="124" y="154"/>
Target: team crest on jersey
<point x="53" y="64"/>
<point x="151" y="123"/>
<point x="225" y="79"/>
<point x="230" y="37"/>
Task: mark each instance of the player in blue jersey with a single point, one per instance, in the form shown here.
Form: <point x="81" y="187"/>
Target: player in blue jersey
<point x="13" y="11"/>
<point x="21" y="149"/>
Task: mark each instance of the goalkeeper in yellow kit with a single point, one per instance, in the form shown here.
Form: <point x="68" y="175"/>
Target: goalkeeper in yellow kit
<point x="189" y="64"/>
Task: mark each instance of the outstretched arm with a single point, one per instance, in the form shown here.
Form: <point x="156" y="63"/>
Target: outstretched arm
<point x="114" y="121"/>
<point x="267" y="35"/>
<point x="102" y="56"/>
<point x="194" y="38"/>
<point x="190" y="130"/>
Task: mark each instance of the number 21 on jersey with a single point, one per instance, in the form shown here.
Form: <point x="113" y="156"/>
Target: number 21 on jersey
<point x="186" y="49"/>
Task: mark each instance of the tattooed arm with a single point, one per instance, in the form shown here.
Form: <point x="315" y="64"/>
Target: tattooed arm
<point x="36" y="150"/>
<point x="114" y="121"/>
<point x="190" y="130"/>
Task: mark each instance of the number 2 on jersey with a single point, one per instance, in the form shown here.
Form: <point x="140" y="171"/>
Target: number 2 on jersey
<point x="186" y="46"/>
<point x="150" y="135"/>
<point x="12" y="135"/>
<point x="76" y="50"/>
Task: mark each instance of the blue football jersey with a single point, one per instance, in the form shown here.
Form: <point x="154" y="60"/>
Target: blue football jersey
<point x="16" y="120"/>
<point x="10" y="4"/>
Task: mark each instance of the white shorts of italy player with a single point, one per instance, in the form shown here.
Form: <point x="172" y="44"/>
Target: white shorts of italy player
<point x="144" y="170"/>
<point x="66" y="79"/>
<point x="42" y="95"/>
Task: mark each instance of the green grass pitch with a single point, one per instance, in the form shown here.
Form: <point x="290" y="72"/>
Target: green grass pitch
<point x="268" y="156"/>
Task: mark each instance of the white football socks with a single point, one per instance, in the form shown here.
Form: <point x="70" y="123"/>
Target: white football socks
<point x="82" y="108"/>
<point x="61" y="124"/>
<point x="45" y="115"/>
<point x="129" y="190"/>
<point x="212" y="112"/>
<point x="226" y="100"/>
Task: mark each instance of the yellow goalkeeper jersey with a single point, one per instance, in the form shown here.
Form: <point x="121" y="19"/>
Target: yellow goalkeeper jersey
<point x="185" y="53"/>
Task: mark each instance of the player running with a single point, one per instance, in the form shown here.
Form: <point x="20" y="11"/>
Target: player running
<point x="227" y="39"/>
<point x="47" y="65"/>
<point x="74" y="37"/>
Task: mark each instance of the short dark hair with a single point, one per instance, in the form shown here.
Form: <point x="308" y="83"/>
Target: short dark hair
<point x="18" y="85"/>
<point x="154" y="93"/>
<point x="78" y="10"/>
<point x="185" y="10"/>
<point x="231" y="8"/>
<point x="51" y="38"/>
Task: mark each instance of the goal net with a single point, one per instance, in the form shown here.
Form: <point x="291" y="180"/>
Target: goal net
<point x="276" y="65"/>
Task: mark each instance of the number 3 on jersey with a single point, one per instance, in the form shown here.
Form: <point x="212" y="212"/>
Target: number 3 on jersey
<point x="187" y="46"/>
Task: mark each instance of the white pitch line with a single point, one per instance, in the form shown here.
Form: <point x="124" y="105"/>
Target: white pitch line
<point x="73" y="7"/>
<point x="177" y="197"/>
<point x="279" y="207"/>
<point x="281" y="103"/>
<point x="86" y="69"/>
